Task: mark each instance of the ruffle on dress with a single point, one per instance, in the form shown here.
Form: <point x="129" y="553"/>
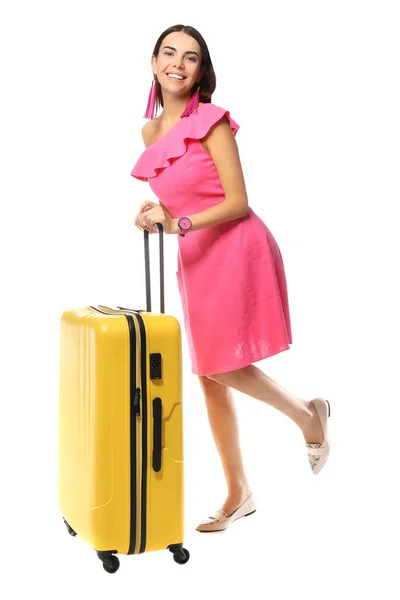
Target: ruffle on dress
<point x="173" y="144"/>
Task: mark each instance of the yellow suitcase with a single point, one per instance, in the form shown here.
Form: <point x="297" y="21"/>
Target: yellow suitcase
<point x="120" y="484"/>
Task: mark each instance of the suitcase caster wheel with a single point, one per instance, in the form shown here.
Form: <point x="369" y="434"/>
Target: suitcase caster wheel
<point x="181" y="556"/>
<point x="110" y="564"/>
<point x="70" y="530"/>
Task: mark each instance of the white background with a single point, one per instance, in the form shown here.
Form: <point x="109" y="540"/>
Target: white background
<point x="314" y="86"/>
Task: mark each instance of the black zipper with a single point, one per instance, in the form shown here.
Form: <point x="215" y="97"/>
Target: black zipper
<point x="143" y="362"/>
<point x="133" y="412"/>
<point x="136" y="403"/>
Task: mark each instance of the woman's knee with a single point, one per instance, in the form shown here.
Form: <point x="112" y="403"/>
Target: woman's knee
<point x="209" y="385"/>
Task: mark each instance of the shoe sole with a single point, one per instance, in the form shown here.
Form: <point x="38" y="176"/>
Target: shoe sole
<point x="329" y="408"/>
<point x="225" y="528"/>
<point x="329" y="414"/>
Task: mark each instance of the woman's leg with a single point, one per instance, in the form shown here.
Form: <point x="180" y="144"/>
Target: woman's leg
<point x="224" y="426"/>
<point x="252" y="381"/>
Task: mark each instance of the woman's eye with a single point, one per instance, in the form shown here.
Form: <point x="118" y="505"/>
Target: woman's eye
<point x="190" y="57"/>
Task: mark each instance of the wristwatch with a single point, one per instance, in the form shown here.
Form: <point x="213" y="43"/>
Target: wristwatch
<point x="184" y="224"/>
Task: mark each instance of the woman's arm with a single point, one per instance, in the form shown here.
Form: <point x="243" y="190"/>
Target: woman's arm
<point x="224" y="152"/>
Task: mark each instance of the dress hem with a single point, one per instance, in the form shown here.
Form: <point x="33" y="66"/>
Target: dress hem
<point x="246" y="363"/>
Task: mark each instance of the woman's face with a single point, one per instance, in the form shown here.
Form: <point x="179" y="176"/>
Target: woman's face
<point x="179" y="53"/>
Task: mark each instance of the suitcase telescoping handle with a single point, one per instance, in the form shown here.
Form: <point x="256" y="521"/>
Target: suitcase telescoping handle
<point x="147" y="267"/>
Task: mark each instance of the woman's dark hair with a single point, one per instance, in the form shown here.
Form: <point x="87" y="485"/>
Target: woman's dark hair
<point x="207" y="82"/>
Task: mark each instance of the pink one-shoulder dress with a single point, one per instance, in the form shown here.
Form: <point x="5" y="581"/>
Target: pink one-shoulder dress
<point x="231" y="276"/>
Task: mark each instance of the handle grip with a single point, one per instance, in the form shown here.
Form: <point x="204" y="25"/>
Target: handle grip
<point x="157" y="434"/>
<point x="147" y="268"/>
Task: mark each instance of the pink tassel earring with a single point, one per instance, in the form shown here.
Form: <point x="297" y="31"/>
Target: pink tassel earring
<point x="193" y="104"/>
<point x="151" y="103"/>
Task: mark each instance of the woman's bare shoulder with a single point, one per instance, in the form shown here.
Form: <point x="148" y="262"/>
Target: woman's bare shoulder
<point x="148" y="132"/>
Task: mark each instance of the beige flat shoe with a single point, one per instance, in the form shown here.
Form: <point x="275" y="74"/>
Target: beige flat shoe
<point x="221" y="520"/>
<point x="318" y="453"/>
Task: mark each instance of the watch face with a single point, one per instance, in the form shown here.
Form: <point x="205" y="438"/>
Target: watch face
<point x="184" y="223"/>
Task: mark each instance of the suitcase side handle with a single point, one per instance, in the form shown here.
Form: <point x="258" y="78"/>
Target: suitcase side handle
<point x="157" y="434"/>
<point x="147" y="268"/>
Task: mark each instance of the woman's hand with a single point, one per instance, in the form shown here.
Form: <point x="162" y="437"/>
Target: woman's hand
<point x="151" y="213"/>
<point x="139" y="217"/>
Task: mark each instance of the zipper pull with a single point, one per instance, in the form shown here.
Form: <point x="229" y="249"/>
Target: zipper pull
<point x="136" y="402"/>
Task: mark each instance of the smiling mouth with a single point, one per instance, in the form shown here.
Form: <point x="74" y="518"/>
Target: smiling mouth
<point x="175" y="78"/>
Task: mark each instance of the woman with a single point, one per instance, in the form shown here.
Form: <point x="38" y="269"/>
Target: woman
<point x="230" y="270"/>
